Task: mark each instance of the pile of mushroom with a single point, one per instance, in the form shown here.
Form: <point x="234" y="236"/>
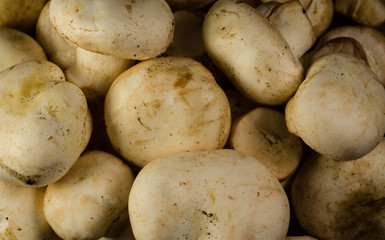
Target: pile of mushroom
<point x="203" y="119"/>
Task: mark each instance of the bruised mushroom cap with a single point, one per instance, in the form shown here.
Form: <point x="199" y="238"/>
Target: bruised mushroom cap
<point x="140" y="29"/>
<point x="251" y="52"/>
<point x="339" y="109"/>
<point x="21" y="213"/>
<point x="45" y="123"/>
<point x="90" y="197"/>
<point x="20" y="14"/>
<point x="215" y="194"/>
<point x="166" y="105"/>
<point x="341" y="199"/>
<point x="370" y="39"/>
<point x="369" y="13"/>
<point x="17" y="47"/>
<point x="58" y="49"/>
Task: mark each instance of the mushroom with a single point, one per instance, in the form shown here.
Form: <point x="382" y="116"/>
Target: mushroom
<point x="292" y="22"/>
<point x="17" y="47"/>
<point x="262" y="133"/>
<point x="370" y="39"/>
<point x="339" y="109"/>
<point x="215" y="194"/>
<point x="368" y="13"/>
<point x="20" y="14"/>
<point x="59" y="50"/>
<point x="45" y="123"/>
<point x="341" y="199"/>
<point x="166" y="105"/>
<point x="90" y="197"/>
<point x="139" y="29"/>
<point x="95" y="72"/>
<point x="21" y="213"/>
<point x="251" y="52"/>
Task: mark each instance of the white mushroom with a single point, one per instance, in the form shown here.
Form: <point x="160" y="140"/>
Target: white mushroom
<point x="20" y="14"/>
<point x="339" y="109"/>
<point x="251" y="52"/>
<point x="21" y="214"/>
<point x="341" y="199"/>
<point x="58" y="49"/>
<point x="90" y="197"/>
<point x="166" y="105"/>
<point x="262" y="133"/>
<point x="95" y="72"/>
<point x="138" y="29"/>
<point x="218" y="194"/>
<point x="44" y="123"/>
<point x="17" y="47"/>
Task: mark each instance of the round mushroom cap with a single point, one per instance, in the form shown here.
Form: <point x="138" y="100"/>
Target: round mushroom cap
<point x="339" y="109"/>
<point x="218" y="194"/>
<point x="166" y="105"/>
<point x="17" y="47"/>
<point x="341" y="199"/>
<point x="251" y="52"/>
<point x="140" y="29"/>
<point x="90" y="197"/>
<point x="44" y="123"/>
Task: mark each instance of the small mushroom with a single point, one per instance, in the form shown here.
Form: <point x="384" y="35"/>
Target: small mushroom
<point x="251" y="52"/>
<point x="138" y="29"/>
<point x="218" y="194"/>
<point x="59" y="50"/>
<point x="95" y="72"/>
<point x="339" y="109"/>
<point x="21" y="214"/>
<point x="262" y="133"/>
<point x="90" y="197"/>
<point x="166" y="105"/>
<point x="45" y="123"/>
<point x="369" y="13"/>
<point x="341" y="199"/>
<point x="17" y="47"/>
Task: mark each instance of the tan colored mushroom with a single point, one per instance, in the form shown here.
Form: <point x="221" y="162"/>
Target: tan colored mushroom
<point x="339" y="109"/>
<point x="138" y="29"/>
<point x="341" y="199"/>
<point x="166" y="105"/>
<point x="17" y="47"/>
<point x="251" y="52"/>
<point x="218" y="194"/>
<point x="21" y="214"/>
<point x="90" y="197"/>
<point x="45" y="123"/>
<point x="262" y="133"/>
<point x="59" y="50"/>
<point x="369" y="13"/>
<point x="370" y="39"/>
<point x="20" y="14"/>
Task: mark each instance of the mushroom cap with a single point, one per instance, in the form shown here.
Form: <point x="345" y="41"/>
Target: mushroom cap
<point x="90" y="197"/>
<point x="17" y="47"/>
<point x="166" y="105"/>
<point x="44" y="123"/>
<point x="341" y="199"/>
<point x="140" y="29"/>
<point x="21" y="215"/>
<point x="262" y="133"/>
<point x="217" y="194"/>
<point x="251" y="52"/>
<point x="339" y="109"/>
